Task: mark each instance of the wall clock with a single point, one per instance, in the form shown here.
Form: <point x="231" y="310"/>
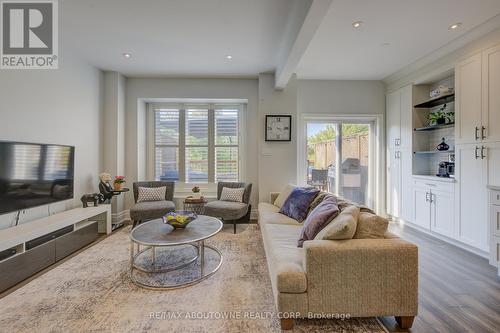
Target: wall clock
<point x="278" y="128"/>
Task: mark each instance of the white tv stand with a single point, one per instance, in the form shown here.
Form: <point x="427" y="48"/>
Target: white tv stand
<point x="38" y="244"/>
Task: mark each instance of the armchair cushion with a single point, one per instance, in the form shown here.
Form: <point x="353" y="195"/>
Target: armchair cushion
<point x="232" y="194"/>
<point x="226" y="210"/>
<point x="148" y="210"/>
<point x="151" y="193"/>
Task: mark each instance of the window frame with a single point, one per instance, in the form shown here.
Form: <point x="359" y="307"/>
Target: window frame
<point x="181" y="184"/>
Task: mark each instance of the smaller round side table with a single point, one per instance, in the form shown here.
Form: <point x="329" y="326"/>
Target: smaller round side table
<point x="195" y="205"/>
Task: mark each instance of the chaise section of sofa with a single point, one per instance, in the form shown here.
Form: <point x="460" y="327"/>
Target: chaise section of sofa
<point x="355" y="277"/>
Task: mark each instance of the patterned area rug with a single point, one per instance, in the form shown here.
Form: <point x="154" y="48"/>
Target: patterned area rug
<point x="92" y="292"/>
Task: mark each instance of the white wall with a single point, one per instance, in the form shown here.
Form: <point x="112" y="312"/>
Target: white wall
<point x="139" y="89"/>
<point x="60" y="106"/>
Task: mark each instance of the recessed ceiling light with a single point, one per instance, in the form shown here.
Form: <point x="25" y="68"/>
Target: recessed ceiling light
<point x="229" y="57"/>
<point x="127" y="55"/>
<point x="455" y="26"/>
<point x="357" y="24"/>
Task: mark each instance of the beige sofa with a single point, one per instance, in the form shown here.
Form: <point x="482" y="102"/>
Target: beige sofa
<point x="355" y="277"/>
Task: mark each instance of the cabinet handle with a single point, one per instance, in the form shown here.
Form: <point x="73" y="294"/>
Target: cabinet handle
<point x="431" y="195"/>
<point x="397" y="142"/>
<point x="498" y="220"/>
<point x="483" y="154"/>
<point x="476" y="133"/>
<point x="476" y="155"/>
<point x="427" y="196"/>
<point x="483" y="129"/>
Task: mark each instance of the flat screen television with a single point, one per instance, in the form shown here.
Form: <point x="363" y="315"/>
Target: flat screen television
<point x="33" y="174"/>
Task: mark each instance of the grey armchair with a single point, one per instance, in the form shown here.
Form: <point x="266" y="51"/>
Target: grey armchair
<point x="231" y="212"/>
<point x="150" y="210"/>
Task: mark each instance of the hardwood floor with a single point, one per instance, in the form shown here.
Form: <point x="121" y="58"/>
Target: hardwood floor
<point x="458" y="291"/>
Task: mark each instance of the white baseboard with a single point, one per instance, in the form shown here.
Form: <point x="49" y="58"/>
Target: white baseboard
<point x="254" y="214"/>
<point x="121" y="217"/>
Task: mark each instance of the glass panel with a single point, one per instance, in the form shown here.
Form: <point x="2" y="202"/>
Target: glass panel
<point x="196" y="164"/>
<point x="226" y="127"/>
<point x="321" y="155"/>
<point x="196" y="127"/>
<point x="167" y="163"/>
<point x="167" y="127"/>
<point x="354" y="167"/>
<point x="226" y="164"/>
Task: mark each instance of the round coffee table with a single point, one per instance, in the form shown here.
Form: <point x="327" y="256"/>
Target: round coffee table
<point x="153" y="234"/>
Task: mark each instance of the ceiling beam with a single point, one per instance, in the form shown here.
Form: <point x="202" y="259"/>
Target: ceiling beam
<point x="301" y="28"/>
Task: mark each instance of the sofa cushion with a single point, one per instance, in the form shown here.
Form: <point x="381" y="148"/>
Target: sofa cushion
<point x="371" y="226"/>
<point x="297" y="204"/>
<point x="326" y="211"/>
<point x="148" y="210"/>
<point x="226" y="210"/>
<point x="341" y="227"/>
<point x="280" y="200"/>
<point x="267" y="217"/>
<point x="319" y="198"/>
<point x="265" y="207"/>
<point x="285" y="258"/>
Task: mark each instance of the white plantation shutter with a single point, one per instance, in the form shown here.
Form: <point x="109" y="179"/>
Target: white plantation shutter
<point x="226" y="144"/>
<point x="196" y="143"/>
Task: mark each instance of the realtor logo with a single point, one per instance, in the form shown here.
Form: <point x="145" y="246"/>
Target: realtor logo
<point x="29" y="34"/>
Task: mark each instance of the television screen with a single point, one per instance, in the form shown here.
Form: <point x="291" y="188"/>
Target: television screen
<point x="34" y="174"/>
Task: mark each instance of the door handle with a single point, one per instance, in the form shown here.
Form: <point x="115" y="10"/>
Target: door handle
<point x="483" y="154"/>
<point x="483" y="129"/>
<point x="476" y="135"/>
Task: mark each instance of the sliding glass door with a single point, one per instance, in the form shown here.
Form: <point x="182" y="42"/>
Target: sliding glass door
<point x="339" y="158"/>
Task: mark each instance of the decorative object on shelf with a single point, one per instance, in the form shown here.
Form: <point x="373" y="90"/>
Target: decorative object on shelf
<point x="196" y="192"/>
<point x="446" y="170"/>
<point x="118" y="183"/>
<point x="441" y="117"/>
<point x="278" y="128"/>
<point x="92" y="198"/>
<point x="441" y="91"/>
<point x="179" y="219"/>
<point x="443" y="146"/>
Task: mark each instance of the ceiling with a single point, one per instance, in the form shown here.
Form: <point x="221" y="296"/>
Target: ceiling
<point x="413" y="28"/>
<point x="193" y="37"/>
<point x="177" y="37"/>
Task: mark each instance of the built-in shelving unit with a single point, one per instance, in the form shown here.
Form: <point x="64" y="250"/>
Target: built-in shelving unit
<point x="445" y="99"/>
<point x="426" y="152"/>
<point x="433" y="128"/>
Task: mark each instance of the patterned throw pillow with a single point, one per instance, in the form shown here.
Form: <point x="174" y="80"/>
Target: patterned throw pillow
<point x="151" y="193"/>
<point x="320" y="216"/>
<point x="232" y="194"/>
<point x="298" y="202"/>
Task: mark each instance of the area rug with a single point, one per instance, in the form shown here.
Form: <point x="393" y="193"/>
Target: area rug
<point x="92" y="292"/>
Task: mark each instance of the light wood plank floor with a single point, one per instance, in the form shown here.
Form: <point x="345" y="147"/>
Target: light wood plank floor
<point x="458" y="291"/>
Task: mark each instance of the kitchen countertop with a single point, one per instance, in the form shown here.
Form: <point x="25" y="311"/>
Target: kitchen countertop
<point x="435" y="178"/>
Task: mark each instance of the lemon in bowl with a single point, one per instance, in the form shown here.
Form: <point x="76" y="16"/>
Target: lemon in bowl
<point x="179" y="219"/>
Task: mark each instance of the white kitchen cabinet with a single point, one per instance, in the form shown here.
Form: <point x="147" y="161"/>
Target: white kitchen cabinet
<point x="406" y="185"/>
<point x="406" y="117"/>
<point x="468" y="100"/>
<point x="393" y="117"/>
<point x="442" y="212"/>
<point x="393" y="183"/>
<point x="491" y="96"/>
<point x="491" y="153"/>
<point x="422" y="215"/>
<point x="471" y="199"/>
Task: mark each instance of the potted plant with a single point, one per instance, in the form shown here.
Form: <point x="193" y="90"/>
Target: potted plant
<point x="440" y="117"/>
<point x="118" y="183"/>
<point x="196" y="192"/>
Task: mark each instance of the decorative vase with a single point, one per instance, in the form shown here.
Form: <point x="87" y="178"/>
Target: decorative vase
<point x="440" y="121"/>
<point x="117" y="187"/>
<point x="443" y="146"/>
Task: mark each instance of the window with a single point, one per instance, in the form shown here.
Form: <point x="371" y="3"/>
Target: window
<point x="196" y="143"/>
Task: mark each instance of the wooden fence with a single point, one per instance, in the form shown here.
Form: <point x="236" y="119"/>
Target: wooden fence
<point x="353" y="146"/>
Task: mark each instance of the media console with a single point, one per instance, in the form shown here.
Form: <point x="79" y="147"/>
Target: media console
<point x="28" y="248"/>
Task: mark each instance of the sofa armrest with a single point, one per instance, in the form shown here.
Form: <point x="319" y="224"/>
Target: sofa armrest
<point x="274" y="196"/>
<point x="362" y="277"/>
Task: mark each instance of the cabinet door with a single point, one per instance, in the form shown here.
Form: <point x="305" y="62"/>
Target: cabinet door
<point x="393" y="183"/>
<point x="406" y="185"/>
<point x="491" y="96"/>
<point x="491" y="155"/>
<point x="468" y="100"/>
<point x="393" y="102"/>
<point x="442" y="212"/>
<point x="471" y="200"/>
<point x="421" y="205"/>
<point x="406" y="117"/>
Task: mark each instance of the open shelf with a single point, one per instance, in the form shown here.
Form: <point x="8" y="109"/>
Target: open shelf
<point x="436" y="101"/>
<point x="433" y="128"/>
<point x="428" y="152"/>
